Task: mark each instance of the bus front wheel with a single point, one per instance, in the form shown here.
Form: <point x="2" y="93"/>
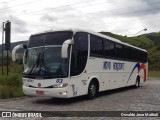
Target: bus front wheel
<point x="92" y="90"/>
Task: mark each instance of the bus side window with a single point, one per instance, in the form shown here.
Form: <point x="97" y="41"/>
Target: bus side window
<point x="96" y="46"/>
<point x="128" y="53"/>
<point x="79" y="53"/>
<point x="119" y="51"/>
<point x="107" y="48"/>
<point x="112" y="49"/>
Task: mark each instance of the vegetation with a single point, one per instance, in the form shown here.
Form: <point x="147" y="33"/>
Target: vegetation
<point x="155" y="74"/>
<point x="11" y="85"/>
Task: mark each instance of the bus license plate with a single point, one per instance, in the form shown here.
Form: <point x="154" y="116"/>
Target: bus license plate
<point x="40" y="92"/>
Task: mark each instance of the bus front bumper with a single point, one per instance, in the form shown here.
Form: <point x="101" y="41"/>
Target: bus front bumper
<point x="50" y="92"/>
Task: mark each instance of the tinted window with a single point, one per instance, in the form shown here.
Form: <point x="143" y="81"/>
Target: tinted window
<point x="135" y="54"/>
<point x="55" y="38"/>
<point x="96" y="46"/>
<point x="79" y="53"/>
<point x="112" y="49"/>
<point x="128" y="53"/>
<point x="107" y="48"/>
<point x="119" y="51"/>
<point x="141" y="57"/>
<point x="35" y="41"/>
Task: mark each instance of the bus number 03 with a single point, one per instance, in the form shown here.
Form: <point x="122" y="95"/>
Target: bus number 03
<point x="59" y="80"/>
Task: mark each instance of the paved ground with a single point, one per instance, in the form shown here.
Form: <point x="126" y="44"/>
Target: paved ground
<point x="145" y="98"/>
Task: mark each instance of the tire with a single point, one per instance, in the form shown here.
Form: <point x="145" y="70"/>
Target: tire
<point x="137" y="83"/>
<point x="92" y="90"/>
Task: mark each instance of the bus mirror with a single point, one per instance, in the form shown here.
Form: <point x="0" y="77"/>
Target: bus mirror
<point x="64" y="51"/>
<point x="15" y="49"/>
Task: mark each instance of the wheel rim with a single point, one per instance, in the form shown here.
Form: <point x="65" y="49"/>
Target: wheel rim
<point x="92" y="90"/>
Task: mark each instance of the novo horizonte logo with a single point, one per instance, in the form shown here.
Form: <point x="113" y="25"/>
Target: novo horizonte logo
<point x="116" y="65"/>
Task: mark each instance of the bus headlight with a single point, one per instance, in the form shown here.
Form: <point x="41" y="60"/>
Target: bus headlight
<point x="60" y="85"/>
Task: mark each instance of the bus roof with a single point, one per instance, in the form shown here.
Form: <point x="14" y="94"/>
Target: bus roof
<point x="91" y="32"/>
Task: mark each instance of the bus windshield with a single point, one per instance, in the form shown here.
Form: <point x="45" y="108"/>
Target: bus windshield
<point x="43" y="56"/>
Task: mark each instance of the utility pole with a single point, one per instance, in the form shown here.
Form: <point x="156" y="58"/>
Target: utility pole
<point x="6" y="28"/>
<point x="2" y="45"/>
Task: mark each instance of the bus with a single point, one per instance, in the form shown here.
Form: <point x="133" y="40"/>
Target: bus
<point x="75" y="62"/>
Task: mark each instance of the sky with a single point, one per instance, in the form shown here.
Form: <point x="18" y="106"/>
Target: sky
<point x="123" y="17"/>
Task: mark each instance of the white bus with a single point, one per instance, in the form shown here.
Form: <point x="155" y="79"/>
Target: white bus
<point x="70" y="63"/>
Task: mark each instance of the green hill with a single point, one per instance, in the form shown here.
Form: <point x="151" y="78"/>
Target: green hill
<point x="150" y="42"/>
<point x="154" y="37"/>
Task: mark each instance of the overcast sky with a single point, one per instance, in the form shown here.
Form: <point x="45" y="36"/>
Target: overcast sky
<point x="123" y="17"/>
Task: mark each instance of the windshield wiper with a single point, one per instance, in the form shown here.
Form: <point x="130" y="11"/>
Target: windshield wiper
<point x="36" y="63"/>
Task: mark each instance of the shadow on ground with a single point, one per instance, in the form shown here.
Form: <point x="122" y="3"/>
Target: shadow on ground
<point x="67" y="101"/>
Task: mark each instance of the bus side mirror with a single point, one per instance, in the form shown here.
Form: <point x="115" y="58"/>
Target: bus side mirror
<point x="15" y="49"/>
<point x="64" y="51"/>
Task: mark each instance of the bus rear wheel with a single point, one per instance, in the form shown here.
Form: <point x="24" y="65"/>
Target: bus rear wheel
<point x="92" y="90"/>
<point x="137" y="82"/>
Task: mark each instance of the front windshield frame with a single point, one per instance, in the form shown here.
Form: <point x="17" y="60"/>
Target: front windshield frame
<point x="46" y="76"/>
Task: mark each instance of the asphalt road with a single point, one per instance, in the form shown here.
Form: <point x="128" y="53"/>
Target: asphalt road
<point x="145" y="98"/>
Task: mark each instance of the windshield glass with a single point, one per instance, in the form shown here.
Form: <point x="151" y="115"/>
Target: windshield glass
<point x="44" y="60"/>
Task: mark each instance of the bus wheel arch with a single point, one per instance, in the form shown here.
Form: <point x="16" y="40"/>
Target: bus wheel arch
<point x="93" y="88"/>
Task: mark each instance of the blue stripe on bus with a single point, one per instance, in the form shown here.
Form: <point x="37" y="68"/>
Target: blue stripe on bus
<point x="136" y="66"/>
